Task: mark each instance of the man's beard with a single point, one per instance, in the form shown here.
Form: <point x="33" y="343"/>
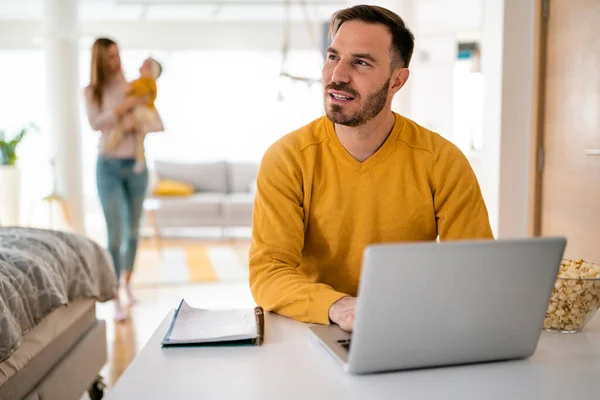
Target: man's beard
<point x="373" y="106"/>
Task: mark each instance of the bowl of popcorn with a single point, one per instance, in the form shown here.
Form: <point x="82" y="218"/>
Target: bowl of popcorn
<point x="575" y="298"/>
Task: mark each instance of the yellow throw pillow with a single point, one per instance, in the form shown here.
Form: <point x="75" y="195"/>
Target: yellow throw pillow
<point x="168" y="187"/>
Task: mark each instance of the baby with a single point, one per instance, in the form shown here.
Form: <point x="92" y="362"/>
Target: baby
<point x="141" y="116"/>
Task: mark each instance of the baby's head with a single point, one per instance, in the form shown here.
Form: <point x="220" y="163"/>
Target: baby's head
<point x="150" y="68"/>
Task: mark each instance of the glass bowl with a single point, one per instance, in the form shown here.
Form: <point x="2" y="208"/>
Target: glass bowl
<point x="575" y="298"/>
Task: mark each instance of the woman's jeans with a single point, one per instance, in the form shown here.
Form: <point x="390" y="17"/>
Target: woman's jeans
<point x="122" y="194"/>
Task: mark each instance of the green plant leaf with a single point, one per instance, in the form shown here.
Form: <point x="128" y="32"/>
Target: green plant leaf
<point x="8" y="154"/>
<point x="18" y="138"/>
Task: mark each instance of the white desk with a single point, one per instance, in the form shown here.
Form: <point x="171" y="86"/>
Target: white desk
<point x="290" y="365"/>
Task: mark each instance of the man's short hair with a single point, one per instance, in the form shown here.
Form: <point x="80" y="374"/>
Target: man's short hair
<point x="403" y="41"/>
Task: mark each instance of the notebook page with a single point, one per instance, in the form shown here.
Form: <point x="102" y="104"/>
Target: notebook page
<point x="195" y="324"/>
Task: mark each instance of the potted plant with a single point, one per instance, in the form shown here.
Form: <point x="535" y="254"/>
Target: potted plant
<point x="10" y="183"/>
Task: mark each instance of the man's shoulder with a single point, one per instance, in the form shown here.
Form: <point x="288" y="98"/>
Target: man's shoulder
<point x="418" y="137"/>
<point x="297" y="141"/>
<point x="287" y="152"/>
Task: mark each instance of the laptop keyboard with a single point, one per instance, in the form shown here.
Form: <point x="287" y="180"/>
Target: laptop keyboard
<point x="345" y="343"/>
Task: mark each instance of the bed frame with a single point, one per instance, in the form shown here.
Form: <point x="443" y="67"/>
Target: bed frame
<point x="75" y="372"/>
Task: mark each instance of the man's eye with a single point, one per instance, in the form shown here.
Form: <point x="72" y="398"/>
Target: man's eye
<point x="331" y="57"/>
<point x="361" y="62"/>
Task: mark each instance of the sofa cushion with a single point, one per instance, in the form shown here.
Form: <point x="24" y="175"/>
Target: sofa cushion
<point x="168" y="187"/>
<point x="241" y="177"/>
<point x="204" y="177"/>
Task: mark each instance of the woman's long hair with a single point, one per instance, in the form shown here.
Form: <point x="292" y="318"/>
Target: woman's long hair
<point x="99" y="70"/>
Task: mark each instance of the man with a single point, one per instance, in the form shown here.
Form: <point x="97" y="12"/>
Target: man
<point x="363" y="174"/>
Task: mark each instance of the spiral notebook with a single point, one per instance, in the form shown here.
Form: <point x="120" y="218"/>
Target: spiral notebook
<point x="196" y="326"/>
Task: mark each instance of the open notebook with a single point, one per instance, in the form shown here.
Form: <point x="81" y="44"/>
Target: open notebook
<point x="198" y="326"/>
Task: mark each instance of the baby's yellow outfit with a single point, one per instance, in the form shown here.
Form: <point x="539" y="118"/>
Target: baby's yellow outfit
<point x="144" y="114"/>
<point x="144" y="86"/>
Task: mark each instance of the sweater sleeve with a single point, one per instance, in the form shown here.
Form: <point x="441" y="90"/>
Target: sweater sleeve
<point x="99" y="119"/>
<point x="277" y="243"/>
<point x="460" y="209"/>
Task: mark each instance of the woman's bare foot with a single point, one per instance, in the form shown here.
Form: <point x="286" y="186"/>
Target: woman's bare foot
<point x="128" y="290"/>
<point x="120" y="315"/>
<point x="132" y="299"/>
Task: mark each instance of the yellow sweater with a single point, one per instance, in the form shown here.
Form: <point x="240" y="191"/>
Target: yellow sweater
<point x="317" y="207"/>
<point x="144" y="86"/>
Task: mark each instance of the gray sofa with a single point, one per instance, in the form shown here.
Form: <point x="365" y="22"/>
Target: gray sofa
<point x="223" y="198"/>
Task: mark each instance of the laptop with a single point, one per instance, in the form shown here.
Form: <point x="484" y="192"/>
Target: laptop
<point x="434" y="304"/>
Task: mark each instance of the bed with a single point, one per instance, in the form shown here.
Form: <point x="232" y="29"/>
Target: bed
<point x="51" y="344"/>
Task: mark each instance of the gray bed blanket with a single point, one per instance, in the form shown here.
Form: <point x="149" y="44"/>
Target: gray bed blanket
<point x="41" y="270"/>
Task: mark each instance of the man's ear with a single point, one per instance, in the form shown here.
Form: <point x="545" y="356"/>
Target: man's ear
<point x="399" y="78"/>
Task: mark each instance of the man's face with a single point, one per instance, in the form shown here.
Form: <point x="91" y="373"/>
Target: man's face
<point x="357" y="73"/>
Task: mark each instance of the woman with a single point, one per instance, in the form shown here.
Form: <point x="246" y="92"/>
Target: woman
<point x="121" y="190"/>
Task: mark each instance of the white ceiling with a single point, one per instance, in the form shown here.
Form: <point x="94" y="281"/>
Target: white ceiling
<point x="181" y="10"/>
<point x="173" y="24"/>
<point x="438" y="14"/>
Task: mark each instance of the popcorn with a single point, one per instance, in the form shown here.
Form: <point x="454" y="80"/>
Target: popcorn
<point x="575" y="298"/>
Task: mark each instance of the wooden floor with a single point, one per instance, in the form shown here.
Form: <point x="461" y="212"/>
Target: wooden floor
<point x="126" y="339"/>
<point x="190" y="262"/>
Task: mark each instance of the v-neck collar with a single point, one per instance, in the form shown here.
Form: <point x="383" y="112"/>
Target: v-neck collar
<point x="376" y="158"/>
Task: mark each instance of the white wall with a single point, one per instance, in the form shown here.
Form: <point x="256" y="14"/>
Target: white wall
<point x="488" y="164"/>
<point x="508" y="68"/>
<point x="517" y="117"/>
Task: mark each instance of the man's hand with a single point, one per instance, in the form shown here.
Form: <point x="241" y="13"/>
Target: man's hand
<point x="342" y="313"/>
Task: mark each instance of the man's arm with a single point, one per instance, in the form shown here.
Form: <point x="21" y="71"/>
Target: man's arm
<point x="277" y="242"/>
<point x="460" y="210"/>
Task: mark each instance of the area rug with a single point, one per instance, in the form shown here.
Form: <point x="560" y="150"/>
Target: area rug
<point x="191" y="263"/>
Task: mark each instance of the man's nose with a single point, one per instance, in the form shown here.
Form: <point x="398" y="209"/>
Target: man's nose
<point x="341" y="73"/>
